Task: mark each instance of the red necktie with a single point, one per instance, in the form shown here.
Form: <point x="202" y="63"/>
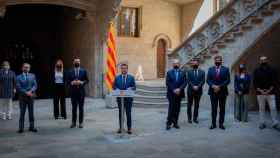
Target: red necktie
<point x="217" y="77"/>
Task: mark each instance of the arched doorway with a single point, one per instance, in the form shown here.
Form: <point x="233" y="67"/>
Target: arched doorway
<point x="39" y="34"/>
<point x="161" y="57"/>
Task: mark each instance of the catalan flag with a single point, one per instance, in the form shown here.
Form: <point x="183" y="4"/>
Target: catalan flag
<point x="111" y="71"/>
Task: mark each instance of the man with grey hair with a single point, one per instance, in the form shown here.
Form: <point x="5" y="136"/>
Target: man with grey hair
<point x="176" y="82"/>
<point x="7" y="90"/>
<point x="265" y="82"/>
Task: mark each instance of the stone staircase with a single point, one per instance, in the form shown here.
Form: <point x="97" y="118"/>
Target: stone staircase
<point x="151" y="94"/>
<point x="230" y="32"/>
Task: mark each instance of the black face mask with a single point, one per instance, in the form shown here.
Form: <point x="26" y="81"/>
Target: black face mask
<point x="195" y="66"/>
<point x="176" y="67"/>
<point x="218" y="63"/>
<point x="264" y="64"/>
<point x="59" y="66"/>
<point x="77" y="65"/>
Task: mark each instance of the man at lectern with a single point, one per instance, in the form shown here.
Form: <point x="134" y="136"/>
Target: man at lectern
<point x="125" y="81"/>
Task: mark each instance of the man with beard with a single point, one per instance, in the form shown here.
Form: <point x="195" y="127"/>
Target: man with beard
<point x="77" y="79"/>
<point x="265" y="81"/>
<point x="196" y="80"/>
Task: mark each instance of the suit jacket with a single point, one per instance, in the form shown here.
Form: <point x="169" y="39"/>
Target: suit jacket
<point x="172" y="84"/>
<point x="195" y="80"/>
<point x="7" y="84"/>
<point x="223" y="81"/>
<point x="129" y="83"/>
<point x="25" y="84"/>
<point x="77" y="90"/>
<point x="242" y="84"/>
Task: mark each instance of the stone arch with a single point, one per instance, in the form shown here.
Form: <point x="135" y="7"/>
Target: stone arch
<point x="77" y="4"/>
<point x="164" y="37"/>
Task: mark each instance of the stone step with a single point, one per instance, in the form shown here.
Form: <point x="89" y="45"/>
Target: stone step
<point x="275" y="5"/>
<point x="150" y="87"/>
<point x="229" y="38"/>
<point x="246" y="25"/>
<point x="256" y="19"/>
<point x="154" y="105"/>
<point x="237" y="34"/>
<point x="220" y="44"/>
<point x="150" y="99"/>
<point x="150" y="93"/>
<point x="266" y="13"/>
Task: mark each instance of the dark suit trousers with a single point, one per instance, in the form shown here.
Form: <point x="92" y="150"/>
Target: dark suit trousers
<point x="193" y="99"/>
<point x="26" y="103"/>
<point x="173" y="109"/>
<point x="218" y="101"/>
<point x="59" y="101"/>
<point x="127" y="108"/>
<point x="77" y="101"/>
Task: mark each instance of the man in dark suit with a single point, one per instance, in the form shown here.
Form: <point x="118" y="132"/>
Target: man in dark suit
<point x="125" y="81"/>
<point x="176" y="83"/>
<point x="77" y="79"/>
<point x="196" y="80"/>
<point x="218" y="78"/>
<point x="26" y="86"/>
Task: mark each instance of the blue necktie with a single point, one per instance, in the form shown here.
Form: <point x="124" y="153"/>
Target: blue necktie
<point x="123" y="82"/>
<point x="177" y="75"/>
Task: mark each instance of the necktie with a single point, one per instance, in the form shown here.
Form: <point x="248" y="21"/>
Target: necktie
<point x="123" y="81"/>
<point x="195" y="73"/>
<point x="25" y="76"/>
<point x="177" y="75"/>
<point x="217" y="74"/>
<point x="77" y="73"/>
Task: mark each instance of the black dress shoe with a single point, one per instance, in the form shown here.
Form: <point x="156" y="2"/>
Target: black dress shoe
<point x="213" y="127"/>
<point x="222" y="127"/>
<point x="20" y="131"/>
<point x="176" y="126"/>
<point x="72" y="126"/>
<point x="34" y="130"/>
<point x="262" y="126"/>
<point x="195" y="121"/>
<point x="129" y="131"/>
<point x="190" y="121"/>
<point x="119" y="131"/>
<point x="81" y="125"/>
<point x="168" y="127"/>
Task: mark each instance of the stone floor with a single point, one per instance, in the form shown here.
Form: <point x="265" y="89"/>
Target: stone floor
<point x="150" y="139"/>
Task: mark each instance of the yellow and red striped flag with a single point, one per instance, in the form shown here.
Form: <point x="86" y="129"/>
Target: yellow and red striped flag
<point x="111" y="58"/>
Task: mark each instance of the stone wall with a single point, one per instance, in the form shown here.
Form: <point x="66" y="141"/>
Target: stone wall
<point x="159" y="19"/>
<point x="267" y="45"/>
<point x="84" y="37"/>
<point x="189" y="13"/>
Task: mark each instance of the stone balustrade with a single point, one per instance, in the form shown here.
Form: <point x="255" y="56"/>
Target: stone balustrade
<point x="207" y="39"/>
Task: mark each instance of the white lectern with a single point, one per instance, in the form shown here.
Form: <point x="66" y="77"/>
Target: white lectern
<point x="122" y="94"/>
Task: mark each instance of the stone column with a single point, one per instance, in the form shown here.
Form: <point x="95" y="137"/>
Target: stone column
<point x="2" y="8"/>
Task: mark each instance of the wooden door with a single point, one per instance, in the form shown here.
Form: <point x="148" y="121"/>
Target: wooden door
<point x="161" y="58"/>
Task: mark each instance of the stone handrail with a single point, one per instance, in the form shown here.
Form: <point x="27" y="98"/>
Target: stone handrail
<point x="204" y="40"/>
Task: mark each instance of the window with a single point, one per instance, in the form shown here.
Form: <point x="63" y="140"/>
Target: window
<point x="219" y="4"/>
<point x="128" y="22"/>
<point x="222" y="3"/>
